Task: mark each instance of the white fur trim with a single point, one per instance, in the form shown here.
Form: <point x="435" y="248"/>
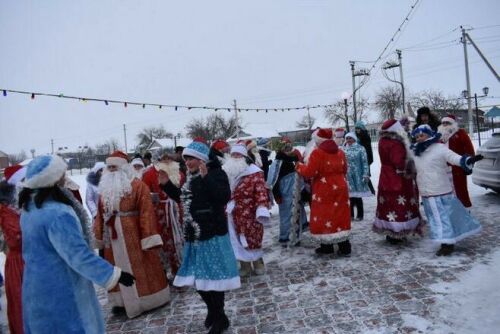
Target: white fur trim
<point x="448" y="119"/>
<point x="241" y="149"/>
<point x="332" y="237"/>
<point x="150" y="242"/>
<point x="17" y="176"/>
<point x="116" y="161"/>
<point x="137" y="161"/>
<point x="49" y="176"/>
<point x="360" y="194"/>
<point x="113" y="280"/>
<point x="263" y="215"/>
<point x="396" y="227"/>
<point x="193" y="153"/>
<point x="460" y="237"/>
<point x="396" y="127"/>
<point x="208" y="285"/>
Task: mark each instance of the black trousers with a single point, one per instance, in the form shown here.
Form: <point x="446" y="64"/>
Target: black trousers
<point x="214" y="301"/>
<point x="358" y="203"/>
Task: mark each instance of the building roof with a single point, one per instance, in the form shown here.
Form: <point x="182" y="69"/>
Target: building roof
<point x="3" y="154"/>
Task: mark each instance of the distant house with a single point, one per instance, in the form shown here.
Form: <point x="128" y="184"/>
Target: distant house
<point x="462" y="116"/>
<point x="168" y="143"/>
<point x="4" y="160"/>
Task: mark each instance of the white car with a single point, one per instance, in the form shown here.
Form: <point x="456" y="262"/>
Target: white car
<point x="486" y="173"/>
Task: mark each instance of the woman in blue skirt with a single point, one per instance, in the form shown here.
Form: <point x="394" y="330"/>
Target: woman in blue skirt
<point x="208" y="262"/>
<point x="449" y="221"/>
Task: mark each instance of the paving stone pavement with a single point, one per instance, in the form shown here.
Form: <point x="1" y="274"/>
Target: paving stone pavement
<point x="302" y="292"/>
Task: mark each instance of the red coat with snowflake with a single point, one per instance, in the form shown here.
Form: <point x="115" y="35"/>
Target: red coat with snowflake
<point x="330" y="220"/>
<point x="249" y="195"/>
<point x="461" y="144"/>
<point x="397" y="199"/>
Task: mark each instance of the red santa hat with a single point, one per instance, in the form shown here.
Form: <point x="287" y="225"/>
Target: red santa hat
<point x="250" y="144"/>
<point x="219" y="144"/>
<point x="239" y="148"/>
<point x="14" y="174"/>
<point x="339" y="133"/>
<point x="449" y="118"/>
<point x="117" y="158"/>
<point x="322" y="134"/>
<point x="392" y="125"/>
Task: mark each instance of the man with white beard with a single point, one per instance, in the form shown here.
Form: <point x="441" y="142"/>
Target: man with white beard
<point x="459" y="142"/>
<point x="125" y="227"/>
<point x="247" y="211"/>
<point x="138" y="166"/>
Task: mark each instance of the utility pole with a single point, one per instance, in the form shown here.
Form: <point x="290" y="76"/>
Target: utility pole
<point x="236" y="119"/>
<point x="401" y="77"/>
<point x="467" y="78"/>
<point x="52" y="145"/>
<point x="353" y="91"/>
<point x="125" y="137"/>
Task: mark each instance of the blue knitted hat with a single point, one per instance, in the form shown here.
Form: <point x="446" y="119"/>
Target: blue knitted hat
<point x="424" y="128"/>
<point x="44" y="171"/>
<point x="196" y="150"/>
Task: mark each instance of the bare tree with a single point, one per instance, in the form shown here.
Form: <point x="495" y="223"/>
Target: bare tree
<point x="14" y="159"/>
<point x="306" y="122"/>
<point x="148" y="134"/>
<point x="388" y="101"/>
<point x="336" y="115"/>
<point x="435" y="100"/>
<point x="108" y="147"/>
<point x="213" y="127"/>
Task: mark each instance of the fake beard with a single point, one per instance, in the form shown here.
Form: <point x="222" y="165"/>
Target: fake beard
<point x="447" y="131"/>
<point x="138" y="173"/>
<point x="113" y="186"/>
<point x="172" y="170"/>
<point x="234" y="167"/>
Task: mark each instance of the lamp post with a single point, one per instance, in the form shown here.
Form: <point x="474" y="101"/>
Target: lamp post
<point x="345" y="96"/>
<point x="466" y="96"/>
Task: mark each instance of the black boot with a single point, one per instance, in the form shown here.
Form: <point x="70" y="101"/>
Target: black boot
<point x="393" y="241"/>
<point x="207" y="298"/>
<point x="445" y="250"/>
<point x="345" y="248"/>
<point x="221" y="322"/>
<point x="325" y="249"/>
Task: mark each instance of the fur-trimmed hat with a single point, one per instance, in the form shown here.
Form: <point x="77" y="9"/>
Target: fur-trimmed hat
<point x="322" y="134"/>
<point x="239" y="148"/>
<point x="360" y="125"/>
<point x="98" y="166"/>
<point x="137" y="161"/>
<point x="423" y="110"/>
<point x="219" y="144"/>
<point x="117" y="158"/>
<point x="339" y="133"/>
<point x="392" y="125"/>
<point x="44" y="171"/>
<point x="424" y="128"/>
<point x="351" y="135"/>
<point x="14" y="174"/>
<point x="449" y="118"/>
<point x="196" y="149"/>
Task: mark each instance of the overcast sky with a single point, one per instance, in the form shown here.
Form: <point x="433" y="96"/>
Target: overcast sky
<point x="264" y="53"/>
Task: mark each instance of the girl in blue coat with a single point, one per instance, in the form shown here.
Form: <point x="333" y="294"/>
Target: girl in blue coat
<point x="358" y="174"/>
<point x="58" y="295"/>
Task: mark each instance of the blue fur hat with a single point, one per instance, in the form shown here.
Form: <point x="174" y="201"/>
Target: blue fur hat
<point x="196" y="150"/>
<point x="360" y="125"/>
<point x="44" y="171"/>
<point x="424" y="128"/>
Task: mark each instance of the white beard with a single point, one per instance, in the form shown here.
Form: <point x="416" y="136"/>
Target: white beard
<point x="234" y="167"/>
<point x="113" y="186"/>
<point x="447" y="131"/>
<point x="172" y="170"/>
<point x="138" y="173"/>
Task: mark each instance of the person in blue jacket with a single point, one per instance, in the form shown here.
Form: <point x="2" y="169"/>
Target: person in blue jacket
<point x="58" y="295"/>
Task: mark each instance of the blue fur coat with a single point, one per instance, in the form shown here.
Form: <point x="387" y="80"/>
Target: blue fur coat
<point x="58" y="295"/>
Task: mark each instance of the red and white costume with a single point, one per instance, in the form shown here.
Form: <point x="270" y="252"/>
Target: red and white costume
<point x="459" y="142"/>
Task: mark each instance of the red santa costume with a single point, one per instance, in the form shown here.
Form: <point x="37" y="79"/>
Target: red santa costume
<point x="248" y="208"/>
<point x="168" y="213"/>
<point x="11" y="230"/>
<point x="459" y="142"/>
<point x="397" y="212"/>
<point x="330" y="220"/>
<point x="125" y="226"/>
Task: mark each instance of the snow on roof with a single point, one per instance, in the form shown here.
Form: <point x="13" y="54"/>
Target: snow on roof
<point x="170" y="142"/>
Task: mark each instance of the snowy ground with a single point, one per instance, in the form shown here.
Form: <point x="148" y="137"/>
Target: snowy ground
<point x="379" y="289"/>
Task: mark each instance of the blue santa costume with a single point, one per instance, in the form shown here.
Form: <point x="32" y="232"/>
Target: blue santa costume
<point x="208" y="261"/>
<point x="449" y="221"/>
<point x="58" y="294"/>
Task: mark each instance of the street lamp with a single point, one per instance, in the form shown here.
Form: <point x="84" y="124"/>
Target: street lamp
<point x="345" y="96"/>
<point x="466" y="96"/>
